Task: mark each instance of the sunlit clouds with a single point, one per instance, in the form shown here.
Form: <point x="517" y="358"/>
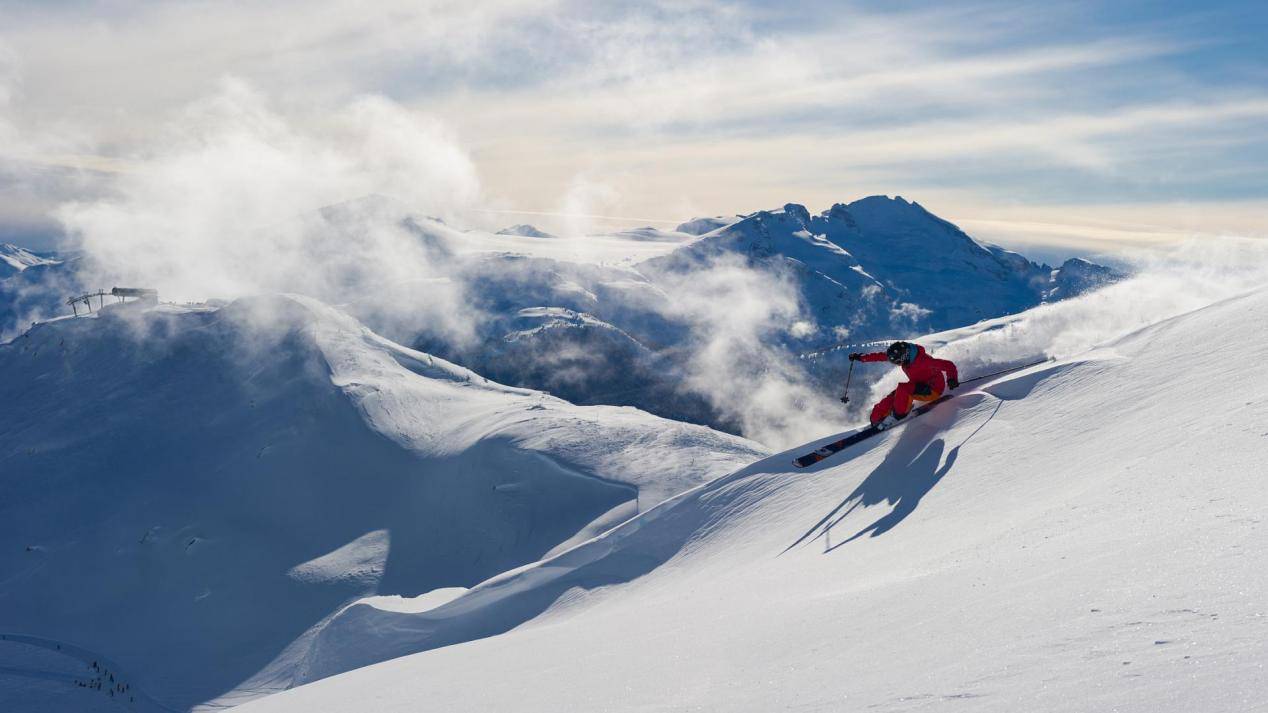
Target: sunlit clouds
<point x="665" y="110"/>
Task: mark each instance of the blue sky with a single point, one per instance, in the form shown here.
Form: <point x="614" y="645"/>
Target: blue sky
<point x="1068" y="127"/>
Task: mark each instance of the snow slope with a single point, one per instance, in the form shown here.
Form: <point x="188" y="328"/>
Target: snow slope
<point x="700" y="226"/>
<point x="1084" y="535"/>
<point x="14" y="259"/>
<point x="191" y="491"/>
<point x="34" y="290"/>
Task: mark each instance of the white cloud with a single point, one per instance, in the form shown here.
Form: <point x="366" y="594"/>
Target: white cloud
<point x="224" y="206"/>
<point x="585" y="199"/>
<point x="716" y="107"/>
<point x="735" y="311"/>
<point x="1112" y="226"/>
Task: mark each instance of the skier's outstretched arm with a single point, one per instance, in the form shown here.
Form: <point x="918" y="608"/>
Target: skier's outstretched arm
<point x="948" y="367"/>
<point x="874" y="356"/>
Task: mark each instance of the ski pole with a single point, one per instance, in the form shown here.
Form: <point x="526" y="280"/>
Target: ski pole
<point x="1005" y="371"/>
<point x="845" y="398"/>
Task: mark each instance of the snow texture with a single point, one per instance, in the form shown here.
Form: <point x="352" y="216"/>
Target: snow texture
<point x="1081" y="535"/>
<point x="195" y="490"/>
<point x="14" y="259"/>
<point x="228" y="501"/>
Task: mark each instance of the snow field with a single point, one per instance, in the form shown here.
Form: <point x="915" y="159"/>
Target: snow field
<point x="1084" y="535"/>
<point x="193" y="491"/>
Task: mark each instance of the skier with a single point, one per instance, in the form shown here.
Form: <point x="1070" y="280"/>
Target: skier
<point x="926" y="381"/>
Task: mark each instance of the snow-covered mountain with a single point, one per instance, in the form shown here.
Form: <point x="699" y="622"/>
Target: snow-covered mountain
<point x="591" y="334"/>
<point x="1076" y="276"/>
<point x="648" y="233"/>
<point x="883" y="266"/>
<point x="14" y="259"/>
<point x="700" y="226"/>
<point x="525" y="230"/>
<point x="1065" y="538"/>
<point x="875" y="269"/>
<point x="37" y="291"/>
<point x="191" y="492"/>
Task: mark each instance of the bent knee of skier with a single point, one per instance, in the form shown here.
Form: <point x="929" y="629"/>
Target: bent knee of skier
<point x="902" y="398"/>
<point x="882" y="408"/>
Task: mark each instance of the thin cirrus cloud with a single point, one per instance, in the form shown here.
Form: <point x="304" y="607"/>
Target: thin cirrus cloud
<point x="666" y="109"/>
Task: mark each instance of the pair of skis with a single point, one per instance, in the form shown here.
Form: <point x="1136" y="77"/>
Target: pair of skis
<point x="819" y="454"/>
<point x="839" y="445"/>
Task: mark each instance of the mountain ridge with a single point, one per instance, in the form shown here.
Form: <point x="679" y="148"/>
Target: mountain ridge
<point x="233" y="475"/>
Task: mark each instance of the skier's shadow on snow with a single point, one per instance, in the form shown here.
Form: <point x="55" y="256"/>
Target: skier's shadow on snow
<point x="909" y="471"/>
<point x="900" y="482"/>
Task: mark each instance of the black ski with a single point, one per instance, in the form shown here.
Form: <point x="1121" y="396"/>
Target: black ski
<point x="835" y="446"/>
<point x="866" y="433"/>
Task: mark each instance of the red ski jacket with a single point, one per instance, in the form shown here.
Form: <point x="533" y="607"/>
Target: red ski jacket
<point x="924" y="369"/>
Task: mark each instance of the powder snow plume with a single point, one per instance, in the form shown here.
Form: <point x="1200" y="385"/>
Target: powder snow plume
<point x="1165" y="282"/>
<point x="221" y="206"/>
<point x="737" y="312"/>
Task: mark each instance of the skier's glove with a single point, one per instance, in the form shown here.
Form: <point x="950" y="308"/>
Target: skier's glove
<point x="953" y="384"/>
<point x="856" y="356"/>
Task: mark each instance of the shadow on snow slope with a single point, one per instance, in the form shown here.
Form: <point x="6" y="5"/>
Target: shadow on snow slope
<point x="908" y="472"/>
<point x="363" y="634"/>
<point x="914" y="464"/>
<point x="190" y="491"/>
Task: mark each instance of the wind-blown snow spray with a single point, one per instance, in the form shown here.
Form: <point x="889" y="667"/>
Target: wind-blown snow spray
<point x="228" y="204"/>
<point x="736" y="313"/>
<point x="1165" y="282"/>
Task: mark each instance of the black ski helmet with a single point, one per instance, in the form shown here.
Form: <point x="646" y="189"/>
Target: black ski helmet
<point x="898" y="352"/>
